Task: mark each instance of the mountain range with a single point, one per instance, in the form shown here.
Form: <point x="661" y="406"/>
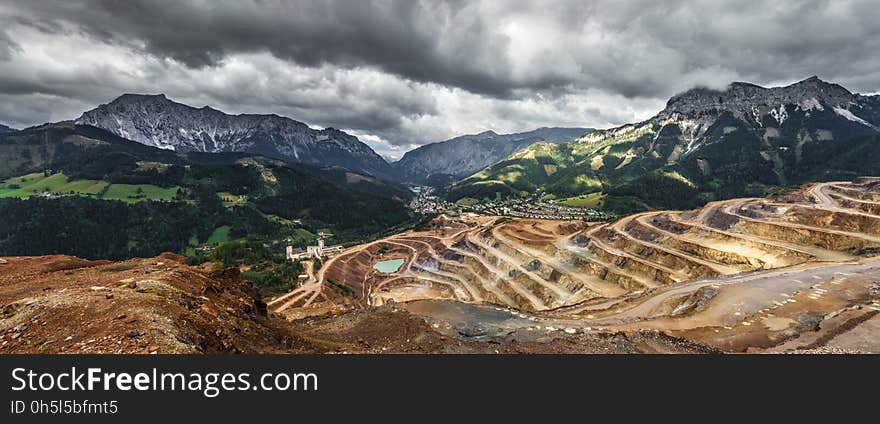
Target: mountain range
<point x="459" y="157"/>
<point x="156" y="121"/>
<point x="4" y="129"/>
<point x="705" y="145"/>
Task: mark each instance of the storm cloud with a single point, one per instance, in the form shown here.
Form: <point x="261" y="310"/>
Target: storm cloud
<point x="400" y="73"/>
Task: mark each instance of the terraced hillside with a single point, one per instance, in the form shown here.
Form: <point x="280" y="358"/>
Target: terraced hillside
<point x="649" y="266"/>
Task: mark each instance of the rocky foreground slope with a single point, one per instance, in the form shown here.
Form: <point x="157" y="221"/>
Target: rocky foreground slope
<point x="61" y="304"/>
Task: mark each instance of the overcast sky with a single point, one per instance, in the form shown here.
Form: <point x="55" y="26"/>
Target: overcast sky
<point x="403" y="73"/>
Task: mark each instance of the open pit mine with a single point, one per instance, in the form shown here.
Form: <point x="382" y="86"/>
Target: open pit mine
<point x="794" y="272"/>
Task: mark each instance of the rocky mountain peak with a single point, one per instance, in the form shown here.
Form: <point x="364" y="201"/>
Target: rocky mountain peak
<point x="822" y="90"/>
<point x="157" y="121"/>
<point x="743" y="97"/>
<point x="129" y="99"/>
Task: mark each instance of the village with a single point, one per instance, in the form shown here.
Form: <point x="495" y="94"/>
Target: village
<point x="427" y="202"/>
<point x="536" y="209"/>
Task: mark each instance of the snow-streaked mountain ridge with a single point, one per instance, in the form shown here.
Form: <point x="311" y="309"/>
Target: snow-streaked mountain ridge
<point x="154" y="120"/>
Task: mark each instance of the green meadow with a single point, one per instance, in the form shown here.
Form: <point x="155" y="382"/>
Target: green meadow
<point x="137" y="192"/>
<point x="220" y="235"/>
<point x="590" y="201"/>
<point x="59" y="184"/>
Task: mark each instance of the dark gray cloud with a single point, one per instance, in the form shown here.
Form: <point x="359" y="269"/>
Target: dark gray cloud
<point x="630" y="47"/>
<point x="444" y="42"/>
<point x="406" y="71"/>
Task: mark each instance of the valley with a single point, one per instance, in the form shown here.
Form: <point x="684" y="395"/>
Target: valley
<point x="451" y="160"/>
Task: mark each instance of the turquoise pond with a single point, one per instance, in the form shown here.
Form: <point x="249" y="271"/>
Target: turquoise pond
<point x="389" y="266"/>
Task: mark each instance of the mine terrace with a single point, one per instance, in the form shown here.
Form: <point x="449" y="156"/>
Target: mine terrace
<point x="797" y="271"/>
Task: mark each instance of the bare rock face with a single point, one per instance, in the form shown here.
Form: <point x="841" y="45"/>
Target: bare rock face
<point x="156" y="121"/>
<point x="759" y="108"/>
<point x="743" y="97"/>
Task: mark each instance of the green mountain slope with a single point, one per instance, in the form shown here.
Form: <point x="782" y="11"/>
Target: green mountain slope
<point x="63" y="183"/>
<point x="705" y="145"/>
<point x="451" y="160"/>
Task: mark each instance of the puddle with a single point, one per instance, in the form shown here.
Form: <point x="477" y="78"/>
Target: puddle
<point x="390" y="266"/>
